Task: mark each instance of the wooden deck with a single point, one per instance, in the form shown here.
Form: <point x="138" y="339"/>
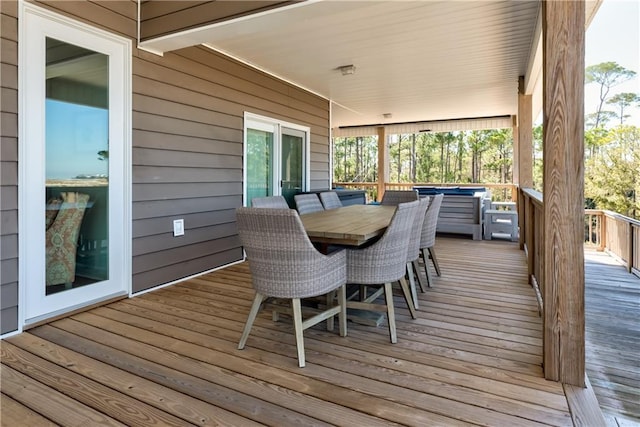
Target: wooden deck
<point x="612" y="300"/>
<point x="169" y="357"/>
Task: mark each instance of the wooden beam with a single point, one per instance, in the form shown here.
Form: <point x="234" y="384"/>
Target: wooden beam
<point x="383" y="163"/>
<point x="563" y="139"/>
<point x="525" y="138"/>
<point x="525" y="148"/>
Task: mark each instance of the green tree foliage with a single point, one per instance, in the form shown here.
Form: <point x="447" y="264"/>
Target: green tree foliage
<point x="607" y="75"/>
<point x="612" y="177"/>
<point x="623" y="101"/>
<point x="537" y="158"/>
<point x="355" y="159"/>
<point x="445" y="157"/>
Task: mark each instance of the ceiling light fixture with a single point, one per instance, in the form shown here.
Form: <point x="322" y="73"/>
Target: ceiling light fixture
<point x="347" y="70"/>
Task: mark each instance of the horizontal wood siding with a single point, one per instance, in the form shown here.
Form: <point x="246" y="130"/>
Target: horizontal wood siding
<point x="160" y="17"/>
<point x="188" y="110"/>
<point x="8" y="166"/>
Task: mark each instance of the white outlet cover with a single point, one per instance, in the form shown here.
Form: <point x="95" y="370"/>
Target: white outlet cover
<point x="178" y="227"/>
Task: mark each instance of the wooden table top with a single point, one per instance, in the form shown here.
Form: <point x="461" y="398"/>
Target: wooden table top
<point x="350" y="225"/>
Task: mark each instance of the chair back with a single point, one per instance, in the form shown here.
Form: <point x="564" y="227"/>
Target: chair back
<point x="273" y="202"/>
<point x="385" y="260"/>
<point x="428" y="235"/>
<point x="283" y="261"/>
<point x="395" y="197"/>
<point x="330" y="200"/>
<point x="413" y="252"/>
<point x="307" y="203"/>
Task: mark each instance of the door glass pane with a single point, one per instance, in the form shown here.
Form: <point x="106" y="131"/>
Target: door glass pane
<point x="292" y="158"/>
<point x="259" y="164"/>
<point x="77" y="166"/>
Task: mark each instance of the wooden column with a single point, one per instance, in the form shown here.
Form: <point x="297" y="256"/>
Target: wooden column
<point x="525" y="138"/>
<point x="563" y="139"/>
<point x="383" y="162"/>
<point x="525" y="149"/>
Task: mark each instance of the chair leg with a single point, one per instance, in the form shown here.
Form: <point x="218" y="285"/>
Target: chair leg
<point x="407" y="297"/>
<point x="412" y="284"/>
<point x="297" y="325"/>
<point x="255" y="308"/>
<point x="432" y="253"/>
<point x="426" y="267"/>
<point x="330" y="296"/>
<point x="391" y="315"/>
<point x="342" y="316"/>
<point x="416" y="268"/>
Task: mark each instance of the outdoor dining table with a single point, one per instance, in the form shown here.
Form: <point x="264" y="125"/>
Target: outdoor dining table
<point x="352" y="225"/>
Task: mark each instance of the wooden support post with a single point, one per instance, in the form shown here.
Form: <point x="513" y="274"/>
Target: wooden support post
<point x="563" y="139"/>
<point x="525" y="148"/>
<point x="383" y="163"/>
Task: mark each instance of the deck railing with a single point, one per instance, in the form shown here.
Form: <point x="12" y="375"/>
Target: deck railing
<point x="499" y="192"/>
<point x="603" y="230"/>
<point x="617" y="234"/>
<point x="532" y="235"/>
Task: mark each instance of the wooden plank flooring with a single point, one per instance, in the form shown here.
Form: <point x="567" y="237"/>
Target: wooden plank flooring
<point x="169" y="357"/>
<point x="612" y="302"/>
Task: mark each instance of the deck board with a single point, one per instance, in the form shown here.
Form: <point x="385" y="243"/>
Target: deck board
<point x="473" y="357"/>
<point x="612" y="333"/>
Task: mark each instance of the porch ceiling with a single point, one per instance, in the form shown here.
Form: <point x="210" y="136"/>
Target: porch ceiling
<point x="417" y="60"/>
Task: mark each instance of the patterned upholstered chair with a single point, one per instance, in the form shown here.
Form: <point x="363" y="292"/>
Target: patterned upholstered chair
<point x="284" y="264"/>
<point x="394" y="197"/>
<point x="307" y="203"/>
<point x="428" y="237"/>
<point x="62" y="222"/>
<point x="413" y="253"/>
<point x="274" y="202"/>
<point x="330" y="200"/>
<point x="384" y="263"/>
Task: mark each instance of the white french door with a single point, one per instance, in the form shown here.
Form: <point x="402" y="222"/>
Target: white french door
<point x="276" y="158"/>
<point x="75" y="143"/>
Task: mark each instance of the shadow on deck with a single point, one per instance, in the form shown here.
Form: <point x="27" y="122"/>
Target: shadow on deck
<point x="612" y="304"/>
<point x="169" y="357"/>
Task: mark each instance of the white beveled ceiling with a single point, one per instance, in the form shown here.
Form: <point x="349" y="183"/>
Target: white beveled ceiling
<point x="415" y="60"/>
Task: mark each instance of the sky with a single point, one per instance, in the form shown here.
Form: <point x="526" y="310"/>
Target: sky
<point x="614" y="36"/>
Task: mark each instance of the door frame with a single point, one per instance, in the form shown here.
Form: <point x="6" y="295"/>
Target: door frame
<point x="35" y="24"/>
<point x="264" y="123"/>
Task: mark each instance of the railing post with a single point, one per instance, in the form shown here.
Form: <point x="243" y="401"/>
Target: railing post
<point x="630" y="250"/>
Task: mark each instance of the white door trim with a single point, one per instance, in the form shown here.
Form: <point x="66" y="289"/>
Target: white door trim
<point x="36" y="23"/>
<point x="269" y="124"/>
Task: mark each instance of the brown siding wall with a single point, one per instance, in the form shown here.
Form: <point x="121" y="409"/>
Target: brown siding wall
<point x="8" y="166"/>
<point x="188" y="109"/>
<point x="161" y="17"/>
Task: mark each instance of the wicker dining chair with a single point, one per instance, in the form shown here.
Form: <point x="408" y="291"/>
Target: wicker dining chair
<point x="284" y="264"/>
<point x="413" y="253"/>
<point x="383" y="263"/>
<point x="308" y="203"/>
<point x="428" y="237"/>
<point x="273" y="202"/>
<point x="330" y="200"/>
<point x="394" y="197"/>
